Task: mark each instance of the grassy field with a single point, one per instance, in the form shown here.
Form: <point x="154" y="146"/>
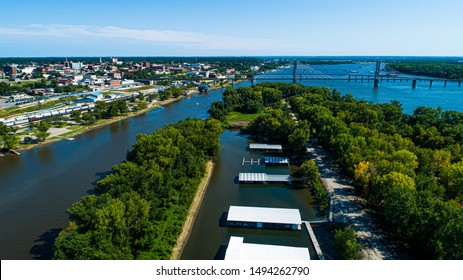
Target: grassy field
<point x="236" y="119"/>
<point x="237" y="116"/>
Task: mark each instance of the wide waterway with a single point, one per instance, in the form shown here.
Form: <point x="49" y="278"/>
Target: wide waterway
<point x="37" y="187"/>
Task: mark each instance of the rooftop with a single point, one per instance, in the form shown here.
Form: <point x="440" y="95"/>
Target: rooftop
<point x="258" y="146"/>
<point x="263" y="177"/>
<point x="238" y="250"/>
<point x="264" y="215"/>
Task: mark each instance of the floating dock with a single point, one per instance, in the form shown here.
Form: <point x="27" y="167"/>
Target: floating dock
<point x="265" y="147"/>
<point x="276" y="161"/>
<point x="238" y="250"/>
<point x="264" y="217"/>
<point x="263" y="178"/>
<point x="251" y="161"/>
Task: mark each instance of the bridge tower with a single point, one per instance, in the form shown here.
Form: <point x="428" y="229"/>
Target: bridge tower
<point x="378" y="67"/>
<point x="295" y="72"/>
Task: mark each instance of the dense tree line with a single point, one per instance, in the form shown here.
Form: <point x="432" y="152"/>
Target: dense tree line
<point x="446" y="70"/>
<point x="408" y="167"/>
<point x="140" y="207"/>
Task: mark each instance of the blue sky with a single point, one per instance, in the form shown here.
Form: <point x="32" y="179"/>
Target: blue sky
<point x="231" y="28"/>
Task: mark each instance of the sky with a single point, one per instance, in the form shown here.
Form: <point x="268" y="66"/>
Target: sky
<point x="231" y="28"/>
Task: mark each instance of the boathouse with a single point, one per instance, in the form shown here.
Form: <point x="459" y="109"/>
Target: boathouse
<point x="264" y="217"/>
<point x="265" y="147"/>
<point x="263" y="178"/>
<point x="238" y="250"/>
<point x="276" y="161"/>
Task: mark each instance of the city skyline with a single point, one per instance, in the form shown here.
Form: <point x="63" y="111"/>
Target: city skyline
<point x="239" y="28"/>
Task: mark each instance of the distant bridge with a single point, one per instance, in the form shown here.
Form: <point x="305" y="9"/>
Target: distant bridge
<point x="297" y="73"/>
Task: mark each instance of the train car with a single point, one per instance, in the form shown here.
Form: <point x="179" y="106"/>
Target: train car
<point x="54" y="113"/>
<point x="20" y="118"/>
<point x="21" y="122"/>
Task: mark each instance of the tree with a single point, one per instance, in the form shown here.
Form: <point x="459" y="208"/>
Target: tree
<point x="41" y="132"/>
<point x="452" y="180"/>
<point x="298" y="139"/>
<point x="76" y="116"/>
<point x="8" y="137"/>
<point x="346" y="244"/>
<point x="88" y="118"/>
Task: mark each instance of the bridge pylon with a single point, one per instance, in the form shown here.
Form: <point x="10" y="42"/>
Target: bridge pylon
<point x="378" y="69"/>
<point x="295" y="72"/>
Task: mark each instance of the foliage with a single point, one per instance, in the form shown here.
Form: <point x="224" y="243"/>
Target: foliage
<point x="308" y="172"/>
<point x="140" y="207"/>
<point x="408" y="167"/>
<point x="41" y="131"/>
<point x="446" y="70"/>
<point x="346" y="244"/>
<point x="8" y="137"/>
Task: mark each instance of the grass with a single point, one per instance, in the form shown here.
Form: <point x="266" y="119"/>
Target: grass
<point x="237" y="119"/>
<point x="137" y="89"/>
<point x="237" y="116"/>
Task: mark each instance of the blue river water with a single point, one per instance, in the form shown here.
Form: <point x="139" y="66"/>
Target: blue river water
<point x="37" y="187"/>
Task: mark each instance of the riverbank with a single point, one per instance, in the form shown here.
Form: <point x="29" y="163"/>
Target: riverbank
<point x="192" y="213"/>
<point x="100" y="123"/>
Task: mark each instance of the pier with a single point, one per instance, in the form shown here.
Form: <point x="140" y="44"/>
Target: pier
<point x="314" y="240"/>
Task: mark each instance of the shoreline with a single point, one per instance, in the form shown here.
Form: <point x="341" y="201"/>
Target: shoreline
<point x="104" y="122"/>
<point x="192" y="213"/>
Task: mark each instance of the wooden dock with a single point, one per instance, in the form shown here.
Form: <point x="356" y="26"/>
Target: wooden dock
<point x="318" y="250"/>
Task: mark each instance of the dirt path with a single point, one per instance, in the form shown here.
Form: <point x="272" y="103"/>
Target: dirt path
<point x="348" y="207"/>
<point x="194" y="208"/>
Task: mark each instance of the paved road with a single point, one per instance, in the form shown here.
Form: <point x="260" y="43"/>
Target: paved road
<point x="348" y="207"/>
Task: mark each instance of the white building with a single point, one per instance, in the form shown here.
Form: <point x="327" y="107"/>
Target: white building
<point x="238" y="250"/>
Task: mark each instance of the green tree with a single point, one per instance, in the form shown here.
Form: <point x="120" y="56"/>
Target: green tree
<point x="346" y="244"/>
<point x="41" y="131"/>
<point x="88" y="118"/>
<point x="298" y="139"/>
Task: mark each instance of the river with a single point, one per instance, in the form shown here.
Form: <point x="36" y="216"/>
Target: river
<point x="37" y="187"/>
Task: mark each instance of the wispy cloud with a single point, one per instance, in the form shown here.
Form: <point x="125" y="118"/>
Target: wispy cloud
<point x="84" y="33"/>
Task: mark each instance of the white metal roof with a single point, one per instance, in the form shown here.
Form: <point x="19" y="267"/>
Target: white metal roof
<point x="263" y="177"/>
<point x="264" y="215"/>
<point x="281" y="160"/>
<point x="238" y="250"/>
<point x="264" y="146"/>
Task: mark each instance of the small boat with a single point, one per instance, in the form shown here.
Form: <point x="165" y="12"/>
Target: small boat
<point x="353" y="71"/>
<point x="69" y="138"/>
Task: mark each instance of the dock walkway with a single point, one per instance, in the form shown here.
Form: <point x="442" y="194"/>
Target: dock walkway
<point x="318" y="250"/>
